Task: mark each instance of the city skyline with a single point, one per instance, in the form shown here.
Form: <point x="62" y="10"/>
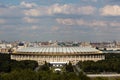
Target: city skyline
<point x="44" y="20"/>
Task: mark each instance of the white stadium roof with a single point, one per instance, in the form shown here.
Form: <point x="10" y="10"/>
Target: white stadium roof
<point x="56" y="50"/>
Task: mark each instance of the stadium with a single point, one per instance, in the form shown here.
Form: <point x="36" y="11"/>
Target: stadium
<point x="58" y="55"/>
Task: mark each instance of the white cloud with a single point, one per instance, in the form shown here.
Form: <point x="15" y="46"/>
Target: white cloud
<point x="56" y="8"/>
<point x="32" y="12"/>
<point x="110" y="10"/>
<point x="66" y="21"/>
<point x="31" y="9"/>
<point x="86" y="10"/>
<point x="98" y="23"/>
<point x="30" y="20"/>
<point x="71" y="9"/>
<point x="28" y="28"/>
<point x="60" y="9"/>
<point x="91" y="23"/>
<point x="19" y="10"/>
<point x="81" y="22"/>
<point x="27" y="5"/>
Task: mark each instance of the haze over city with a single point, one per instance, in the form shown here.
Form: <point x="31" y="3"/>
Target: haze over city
<point x="85" y="20"/>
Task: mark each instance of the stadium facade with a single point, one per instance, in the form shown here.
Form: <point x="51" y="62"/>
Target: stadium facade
<point x="58" y="55"/>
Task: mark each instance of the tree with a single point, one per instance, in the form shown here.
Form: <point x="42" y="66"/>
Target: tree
<point x="45" y="67"/>
<point x="20" y="75"/>
<point x="82" y="76"/>
<point x="25" y="64"/>
<point x="69" y="67"/>
<point x="4" y="66"/>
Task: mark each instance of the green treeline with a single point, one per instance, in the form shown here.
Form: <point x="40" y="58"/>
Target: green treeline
<point x="28" y="74"/>
<point x="110" y="64"/>
<point x="10" y="65"/>
<point x="26" y="70"/>
<point x="100" y="66"/>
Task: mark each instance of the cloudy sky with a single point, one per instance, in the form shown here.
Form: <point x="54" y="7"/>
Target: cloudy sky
<point x="39" y="20"/>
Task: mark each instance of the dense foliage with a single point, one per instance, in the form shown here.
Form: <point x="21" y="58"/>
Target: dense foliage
<point x="10" y="65"/>
<point x="111" y="64"/>
<point x="28" y="74"/>
<point x="45" y="67"/>
<point x="4" y="62"/>
<point x="69" y="67"/>
<point x="25" y="64"/>
<point x="4" y="57"/>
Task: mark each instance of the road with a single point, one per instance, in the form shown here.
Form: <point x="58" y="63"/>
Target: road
<point x="103" y="75"/>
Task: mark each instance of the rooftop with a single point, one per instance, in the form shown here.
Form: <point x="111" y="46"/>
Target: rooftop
<point x="57" y="50"/>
